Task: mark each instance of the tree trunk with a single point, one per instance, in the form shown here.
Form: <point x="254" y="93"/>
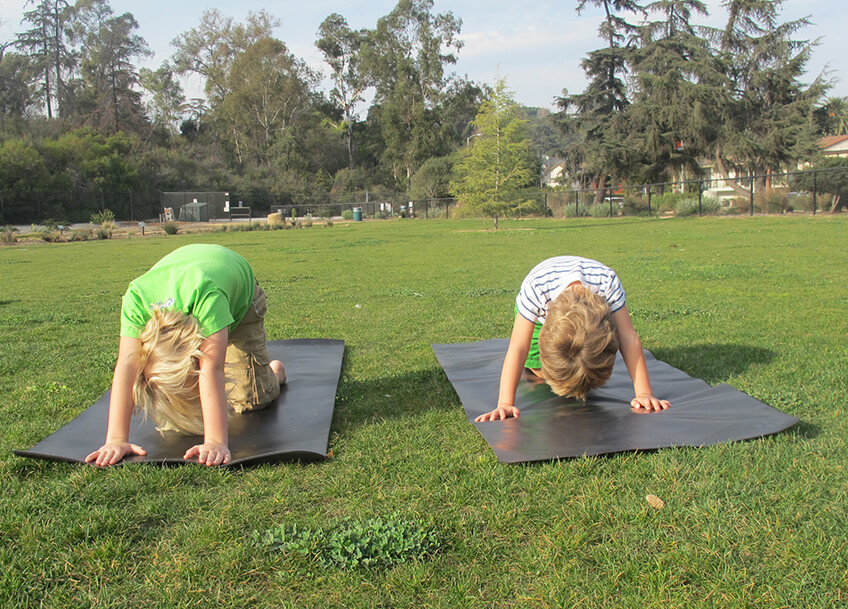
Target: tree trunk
<point x="602" y="188"/>
<point x="732" y="182"/>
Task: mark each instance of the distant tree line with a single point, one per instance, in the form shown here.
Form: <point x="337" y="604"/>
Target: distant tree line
<point x="77" y="114"/>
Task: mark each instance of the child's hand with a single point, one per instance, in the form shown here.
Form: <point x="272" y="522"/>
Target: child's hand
<point x="112" y="452"/>
<point x="210" y="453"/>
<point x="648" y="403"/>
<point x="501" y="412"/>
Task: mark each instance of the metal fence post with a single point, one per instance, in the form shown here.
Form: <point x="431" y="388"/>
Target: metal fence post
<point x="700" y="196"/>
<point x="650" y="213"/>
<point x="752" y="195"/>
<point x="815" y="185"/>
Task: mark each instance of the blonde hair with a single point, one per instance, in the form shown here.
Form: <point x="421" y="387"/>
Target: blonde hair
<point x="166" y="386"/>
<point x="578" y="343"/>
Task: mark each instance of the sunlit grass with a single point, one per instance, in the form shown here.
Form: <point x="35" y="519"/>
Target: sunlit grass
<point x="758" y="303"/>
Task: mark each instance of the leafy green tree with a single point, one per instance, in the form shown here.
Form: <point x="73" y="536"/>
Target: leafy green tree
<point x="22" y="171"/>
<point x="498" y="164"/>
<point x="107" y="94"/>
<point x="832" y="116"/>
<point x="433" y="178"/>
<point x="268" y="95"/>
<point x="340" y="46"/>
<point x="405" y="58"/>
<point x="45" y="43"/>
<point x="210" y="49"/>
<point x="166" y="96"/>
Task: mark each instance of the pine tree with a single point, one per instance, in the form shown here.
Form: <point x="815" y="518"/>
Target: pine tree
<point x="498" y="163"/>
<point x="592" y="119"/>
<point x="678" y="84"/>
<point x="769" y="123"/>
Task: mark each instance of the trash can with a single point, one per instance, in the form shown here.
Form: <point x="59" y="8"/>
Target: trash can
<point x="357" y="214"/>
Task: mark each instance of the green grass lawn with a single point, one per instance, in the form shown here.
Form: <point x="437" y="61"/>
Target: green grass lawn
<point x="760" y="303"/>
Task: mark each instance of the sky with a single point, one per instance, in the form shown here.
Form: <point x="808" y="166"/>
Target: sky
<point x="537" y="46"/>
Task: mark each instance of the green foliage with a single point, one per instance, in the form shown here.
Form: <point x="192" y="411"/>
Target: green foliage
<point x="328" y="223"/>
<point x="432" y="180"/>
<point x="687" y="205"/>
<point x="599" y="210"/>
<point x="104" y="217"/>
<point x="573" y="210"/>
<point x="347" y="214"/>
<point x="832" y="180"/>
<point x="498" y="164"/>
<point x="171" y="228"/>
<point x="668" y="200"/>
<point x="377" y="542"/>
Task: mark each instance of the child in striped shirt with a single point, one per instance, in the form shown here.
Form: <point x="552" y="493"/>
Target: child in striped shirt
<point x="570" y="320"/>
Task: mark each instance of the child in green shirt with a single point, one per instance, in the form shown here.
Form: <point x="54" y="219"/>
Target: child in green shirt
<point x="195" y="313"/>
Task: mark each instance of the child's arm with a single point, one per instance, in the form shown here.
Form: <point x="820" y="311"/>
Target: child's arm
<point x="513" y="366"/>
<point x="631" y="349"/>
<point x="117" y="444"/>
<point x="213" y="402"/>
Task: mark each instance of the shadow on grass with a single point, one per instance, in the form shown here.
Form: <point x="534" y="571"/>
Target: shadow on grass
<point x="3" y="303"/>
<point x="714" y="363"/>
<point x="360" y="402"/>
<point x="591" y="223"/>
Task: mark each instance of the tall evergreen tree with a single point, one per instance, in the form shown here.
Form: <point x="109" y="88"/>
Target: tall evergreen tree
<point x="498" y="164"/>
<point x="768" y="122"/>
<point x="678" y="93"/>
<point x="592" y="119"/>
<point x="108" y="95"/>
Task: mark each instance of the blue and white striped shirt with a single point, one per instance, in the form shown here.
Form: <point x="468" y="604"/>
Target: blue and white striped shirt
<point x="549" y="278"/>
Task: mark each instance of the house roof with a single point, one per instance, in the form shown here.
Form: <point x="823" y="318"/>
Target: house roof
<point x="831" y="140"/>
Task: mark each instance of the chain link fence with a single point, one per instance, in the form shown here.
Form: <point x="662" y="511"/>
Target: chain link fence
<point x="808" y="191"/>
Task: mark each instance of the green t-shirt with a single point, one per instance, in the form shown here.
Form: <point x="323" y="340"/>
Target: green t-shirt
<point x="210" y="282"/>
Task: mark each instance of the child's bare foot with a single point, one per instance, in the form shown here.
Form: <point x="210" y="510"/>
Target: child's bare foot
<point x="280" y="370"/>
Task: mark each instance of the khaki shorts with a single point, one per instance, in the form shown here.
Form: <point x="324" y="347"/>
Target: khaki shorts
<point x="250" y="382"/>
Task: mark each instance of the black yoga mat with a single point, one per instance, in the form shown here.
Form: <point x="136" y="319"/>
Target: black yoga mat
<point x="552" y="427"/>
<point x="295" y="426"/>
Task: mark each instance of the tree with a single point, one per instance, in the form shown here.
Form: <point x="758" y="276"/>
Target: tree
<point x="832" y="116"/>
<point x="405" y="58"/>
<point x="340" y="46"/>
<point x="432" y="180"/>
<point x="166" y="96"/>
<point x="22" y="170"/>
<point x="210" y="49"/>
<point x="679" y="89"/>
<point x="17" y="93"/>
<point x="107" y="96"/>
<point x="768" y="122"/>
<point x="268" y="93"/>
<point x="498" y="162"/>
<point x="592" y="120"/>
<point x="45" y="44"/>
